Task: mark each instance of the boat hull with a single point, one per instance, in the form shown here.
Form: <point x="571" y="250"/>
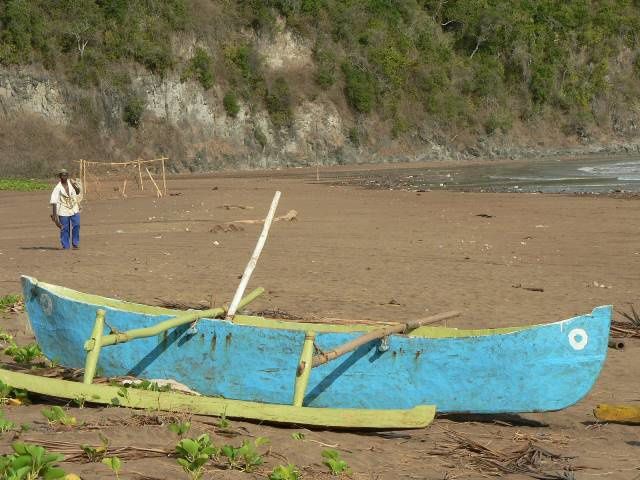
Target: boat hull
<point x="536" y="368"/>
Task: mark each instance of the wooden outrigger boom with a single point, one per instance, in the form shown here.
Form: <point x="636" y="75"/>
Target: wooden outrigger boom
<point x="97" y="340"/>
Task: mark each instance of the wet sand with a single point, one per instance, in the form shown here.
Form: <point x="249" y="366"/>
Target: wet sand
<point x="591" y="174"/>
<point x="352" y="253"/>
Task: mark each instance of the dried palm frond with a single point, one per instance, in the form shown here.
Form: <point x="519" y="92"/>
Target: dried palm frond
<point x="628" y="328"/>
<point x="176" y="305"/>
<point x="530" y="459"/>
<point x="633" y="317"/>
<point x="74" y="451"/>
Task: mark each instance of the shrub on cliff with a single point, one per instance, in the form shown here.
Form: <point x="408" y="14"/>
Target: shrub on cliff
<point x="22" y="31"/>
<point x="231" y="106"/>
<point x="133" y="110"/>
<point x="278" y="102"/>
<point x="360" y="87"/>
<point x="325" y="59"/>
<point x="412" y="62"/>
<point x="200" y="68"/>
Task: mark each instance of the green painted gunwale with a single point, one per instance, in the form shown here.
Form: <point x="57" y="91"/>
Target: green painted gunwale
<point x="255" y="321"/>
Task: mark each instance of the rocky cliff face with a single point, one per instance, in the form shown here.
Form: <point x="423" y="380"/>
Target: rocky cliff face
<point x="46" y="121"/>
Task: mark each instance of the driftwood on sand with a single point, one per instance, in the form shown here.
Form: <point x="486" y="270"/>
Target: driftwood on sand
<point x="236" y="225"/>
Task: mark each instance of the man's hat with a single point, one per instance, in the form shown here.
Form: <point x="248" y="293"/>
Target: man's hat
<point x="63" y="171"/>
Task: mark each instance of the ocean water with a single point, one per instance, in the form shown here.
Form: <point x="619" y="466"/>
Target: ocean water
<point x="581" y="175"/>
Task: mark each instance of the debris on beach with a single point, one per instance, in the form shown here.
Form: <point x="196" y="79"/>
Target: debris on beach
<point x="181" y="305"/>
<point x="529" y="459"/>
<point x="277" y="313"/>
<point x="226" y="228"/>
<point x="290" y="216"/>
<point x="531" y="289"/>
<point x="629" y="327"/>
<point x="227" y="206"/>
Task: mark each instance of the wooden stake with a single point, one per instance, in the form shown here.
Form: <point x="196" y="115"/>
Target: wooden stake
<point x="84" y="176"/>
<point x="124" y="188"/>
<point x="254" y="258"/>
<point x="140" y="174"/>
<point x="154" y="183"/>
<point x="304" y="369"/>
<point x="377" y="334"/>
<point x="164" y="179"/>
<point x="93" y="348"/>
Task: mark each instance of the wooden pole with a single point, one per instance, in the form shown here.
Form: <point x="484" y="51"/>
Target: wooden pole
<point x="124" y="188"/>
<point x="304" y="369"/>
<point x="164" y="179"/>
<point x="181" y="319"/>
<point x="84" y="177"/>
<point x="377" y="334"/>
<point x="154" y="183"/>
<point x="254" y="258"/>
<point x="93" y="347"/>
<point x="140" y="175"/>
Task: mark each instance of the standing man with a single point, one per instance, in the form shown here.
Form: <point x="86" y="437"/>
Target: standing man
<point x="66" y="212"/>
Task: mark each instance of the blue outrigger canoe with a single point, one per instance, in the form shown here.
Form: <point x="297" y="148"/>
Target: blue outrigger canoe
<point x="505" y="370"/>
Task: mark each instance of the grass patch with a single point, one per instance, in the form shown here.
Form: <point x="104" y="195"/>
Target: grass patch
<point x="8" y="301"/>
<point x="22" y="185"/>
<point x="25" y="354"/>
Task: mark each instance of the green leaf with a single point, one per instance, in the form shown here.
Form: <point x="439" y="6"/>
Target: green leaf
<point x="189" y="446"/>
<point x="51" y="457"/>
<point x="258" y="442"/>
<point x="19" y="448"/>
<point x="53" y="473"/>
<point x="114" y="463"/>
<point x="21" y="461"/>
<point x="329" y="453"/>
<point x="281" y="472"/>
<point x="229" y="451"/>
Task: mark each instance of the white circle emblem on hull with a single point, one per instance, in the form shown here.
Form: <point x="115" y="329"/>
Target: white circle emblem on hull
<point x="578" y="338"/>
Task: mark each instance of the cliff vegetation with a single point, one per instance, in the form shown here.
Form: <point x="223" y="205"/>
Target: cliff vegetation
<point x="392" y="76"/>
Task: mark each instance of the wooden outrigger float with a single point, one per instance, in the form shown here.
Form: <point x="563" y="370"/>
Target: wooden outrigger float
<point x="417" y="417"/>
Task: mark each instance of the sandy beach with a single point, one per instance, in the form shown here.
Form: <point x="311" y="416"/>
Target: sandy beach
<point x="351" y="253"/>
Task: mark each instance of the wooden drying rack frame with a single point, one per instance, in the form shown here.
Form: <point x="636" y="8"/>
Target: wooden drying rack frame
<point x="139" y="163"/>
